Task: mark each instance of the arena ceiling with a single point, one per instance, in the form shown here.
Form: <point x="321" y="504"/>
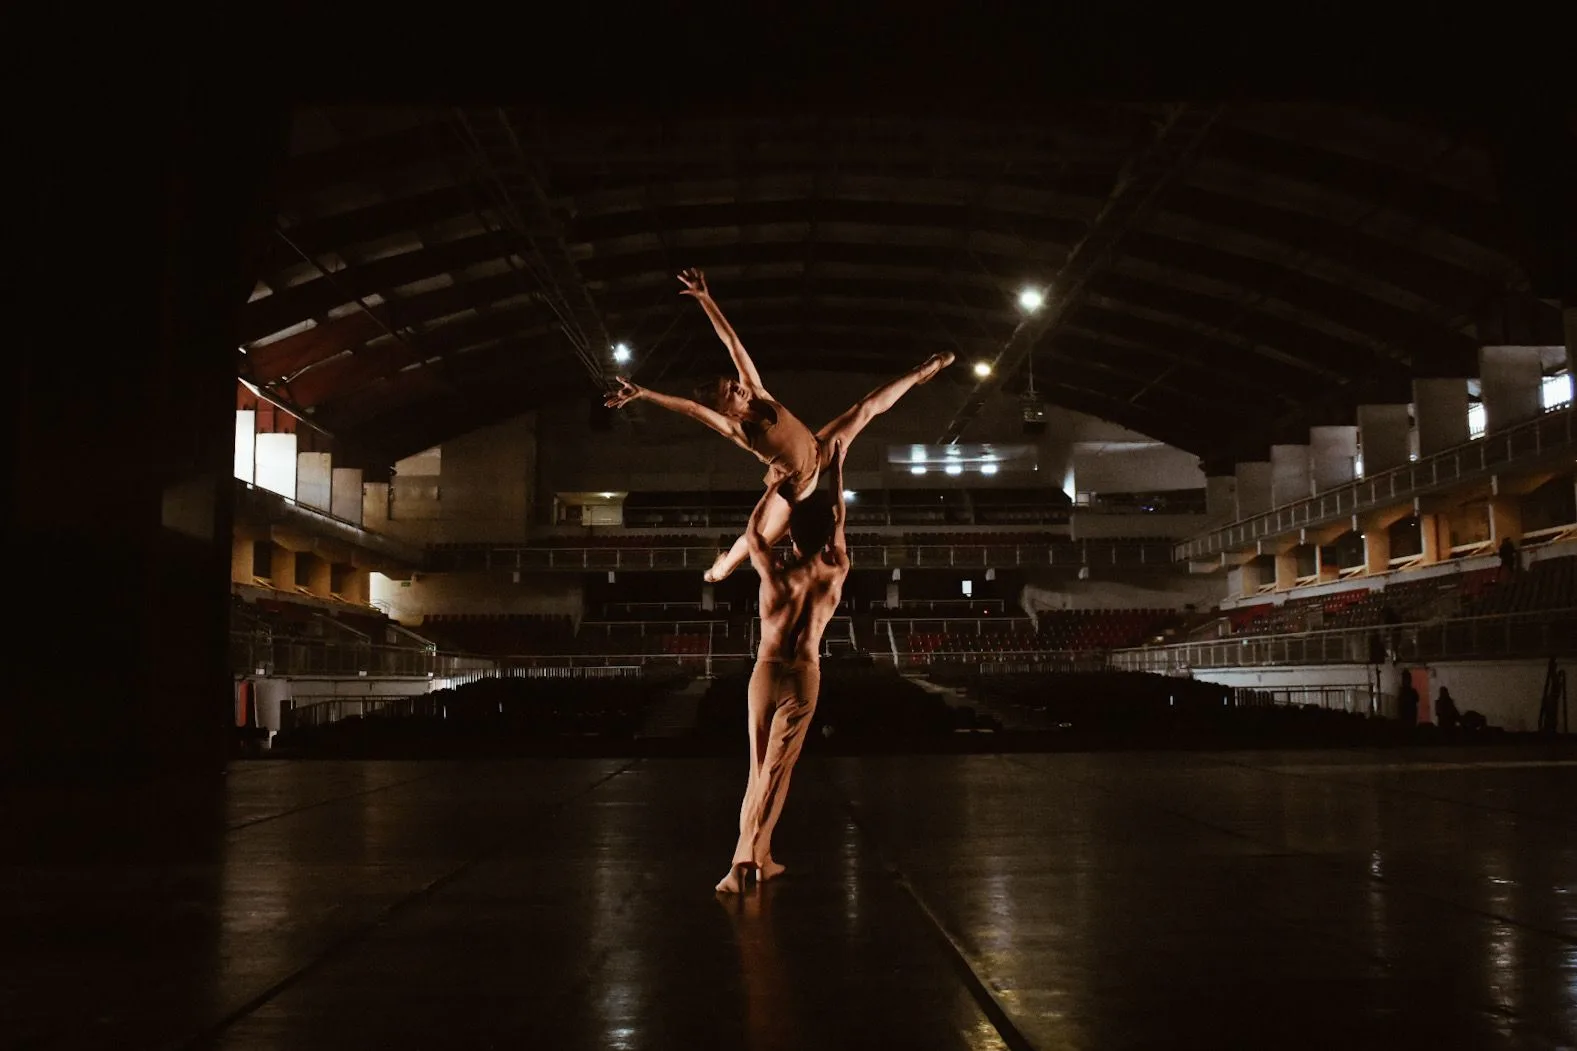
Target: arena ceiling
<point x="1218" y="276"/>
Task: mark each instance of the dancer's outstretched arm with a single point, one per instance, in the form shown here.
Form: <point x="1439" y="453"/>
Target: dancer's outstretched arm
<point x="726" y="426"/>
<point x="695" y="285"/>
<point x="755" y="534"/>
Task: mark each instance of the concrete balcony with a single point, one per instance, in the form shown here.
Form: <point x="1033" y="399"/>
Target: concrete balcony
<point x="1550" y="440"/>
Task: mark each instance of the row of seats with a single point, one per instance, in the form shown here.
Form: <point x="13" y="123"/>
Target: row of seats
<point x="1058" y="630"/>
<point x="1548" y="584"/>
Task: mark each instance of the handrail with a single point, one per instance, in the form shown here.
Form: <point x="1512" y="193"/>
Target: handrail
<point x="1530" y="634"/>
<point x="1116" y="551"/>
<point x="1550" y="433"/>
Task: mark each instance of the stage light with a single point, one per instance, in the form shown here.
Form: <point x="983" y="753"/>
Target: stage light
<point x="621" y="353"/>
<point x="606" y="496"/>
<point x="918" y="468"/>
<point x="982" y="369"/>
<point x="952" y="450"/>
<point x="1030" y="300"/>
<point x="917" y="454"/>
<point x="988" y="468"/>
<point x="954" y="468"/>
<point x="849" y="495"/>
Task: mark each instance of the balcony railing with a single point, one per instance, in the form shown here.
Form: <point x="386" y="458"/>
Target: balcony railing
<point x="1526" y="444"/>
<point x="865" y="556"/>
<point x="1527" y="635"/>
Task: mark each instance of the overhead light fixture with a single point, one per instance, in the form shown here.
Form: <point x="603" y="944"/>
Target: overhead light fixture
<point x="954" y="468"/>
<point x="982" y="369"/>
<point x="952" y="450"/>
<point x="918" y="468"/>
<point x="988" y="468"/>
<point x="849" y="495"/>
<point x="621" y="353"/>
<point x="1031" y="300"/>
<point x="917" y="454"/>
<point x="606" y="496"/>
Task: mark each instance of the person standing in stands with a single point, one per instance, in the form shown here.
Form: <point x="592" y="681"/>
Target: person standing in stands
<point x="1446" y="713"/>
<point x="1509" y="561"/>
<point x="798" y="598"/>
<point x="1407" y="702"/>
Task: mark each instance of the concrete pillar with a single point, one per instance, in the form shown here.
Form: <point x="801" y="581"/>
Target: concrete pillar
<point x="1331" y="454"/>
<point x="143" y="685"/>
<point x="1382" y="437"/>
<point x="1244" y="580"/>
<point x="241" y="560"/>
<point x="345" y="500"/>
<point x="314" y="480"/>
<point x="1376" y="550"/>
<point x="1505" y="518"/>
<point x="1221" y="498"/>
<point x="1440" y="409"/>
<point x="1287" y="570"/>
<point x="319" y="574"/>
<point x="1511" y="378"/>
<point x="1434" y="534"/>
<point x="282" y="568"/>
<point x="375" y="506"/>
<point x="1289" y="474"/>
<point x="1253" y="488"/>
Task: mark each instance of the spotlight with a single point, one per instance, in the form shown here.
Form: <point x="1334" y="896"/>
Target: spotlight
<point x="982" y="369"/>
<point x="621" y="353"/>
<point x="954" y="468"/>
<point x="918" y="468"/>
<point x="988" y="468"/>
<point x="1030" y="300"/>
<point x="952" y="450"/>
<point x="849" y="495"/>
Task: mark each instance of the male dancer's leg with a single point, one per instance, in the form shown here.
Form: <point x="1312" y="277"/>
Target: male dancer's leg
<point x="782" y="703"/>
<point x="790" y="724"/>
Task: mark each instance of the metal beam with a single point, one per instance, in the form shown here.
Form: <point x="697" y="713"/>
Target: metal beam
<point x="522" y="204"/>
<point x="1138" y="188"/>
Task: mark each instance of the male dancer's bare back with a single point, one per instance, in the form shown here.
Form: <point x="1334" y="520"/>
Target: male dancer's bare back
<point x="798" y="599"/>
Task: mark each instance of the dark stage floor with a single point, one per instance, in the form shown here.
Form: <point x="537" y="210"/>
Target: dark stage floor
<point x="1387" y="899"/>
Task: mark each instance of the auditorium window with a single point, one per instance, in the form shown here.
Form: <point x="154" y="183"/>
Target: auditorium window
<point x="969" y="589"/>
<point x="1556" y="391"/>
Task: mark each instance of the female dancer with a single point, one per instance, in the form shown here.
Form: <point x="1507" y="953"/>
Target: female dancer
<point x="746" y="414"/>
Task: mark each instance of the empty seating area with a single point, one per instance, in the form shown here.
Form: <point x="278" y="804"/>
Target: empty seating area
<point x="1548" y="584"/>
<point x="497" y="635"/>
<point x="533" y="635"/>
<point x="494" y="716"/>
<point x="285" y="619"/>
<point x="1059" y="631"/>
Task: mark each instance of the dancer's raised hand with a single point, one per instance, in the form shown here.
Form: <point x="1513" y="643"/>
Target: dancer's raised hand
<point x="694" y="282"/>
<point x="626" y="393"/>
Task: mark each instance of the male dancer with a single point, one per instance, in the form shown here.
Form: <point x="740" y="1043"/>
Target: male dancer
<point x="798" y="598"/>
<point x="746" y="414"/>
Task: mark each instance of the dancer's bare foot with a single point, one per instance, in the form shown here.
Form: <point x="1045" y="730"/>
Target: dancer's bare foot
<point x="934" y="364"/>
<point x="770" y="870"/>
<point x="734" y="882"/>
<point x="720" y="570"/>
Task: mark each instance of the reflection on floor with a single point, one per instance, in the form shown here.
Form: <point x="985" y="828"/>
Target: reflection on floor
<point x="1385" y="898"/>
